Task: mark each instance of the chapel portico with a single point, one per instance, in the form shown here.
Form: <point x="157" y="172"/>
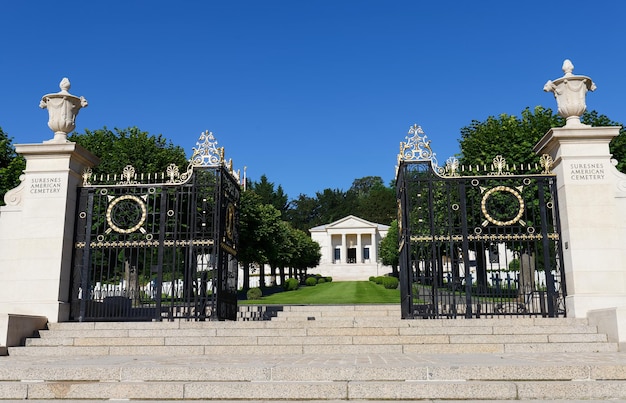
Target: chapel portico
<point x="349" y="248"/>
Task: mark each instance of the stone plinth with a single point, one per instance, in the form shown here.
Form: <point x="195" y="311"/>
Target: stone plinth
<point x="36" y="231"/>
<point x="592" y="206"/>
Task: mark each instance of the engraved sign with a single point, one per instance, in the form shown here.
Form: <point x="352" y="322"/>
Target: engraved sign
<point x="43" y="186"/>
<point x="586" y="171"/>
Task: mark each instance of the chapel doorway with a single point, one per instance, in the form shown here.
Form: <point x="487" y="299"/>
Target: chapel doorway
<point x="351" y="255"/>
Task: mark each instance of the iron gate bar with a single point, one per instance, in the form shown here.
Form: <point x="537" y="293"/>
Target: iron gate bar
<point x="465" y="234"/>
<point x="86" y="257"/>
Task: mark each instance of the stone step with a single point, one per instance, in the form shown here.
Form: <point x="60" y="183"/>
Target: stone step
<point x="298" y="333"/>
<point x="312" y="348"/>
<point x="344" y="322"/>
<point x="328" y="336"/>
<point x="317" y="391"/>
<point x="337" y="377"/>
<point x="305" y="330"/>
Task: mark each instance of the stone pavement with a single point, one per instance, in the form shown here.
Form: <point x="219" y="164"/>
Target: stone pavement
<point x="362" y="377"/>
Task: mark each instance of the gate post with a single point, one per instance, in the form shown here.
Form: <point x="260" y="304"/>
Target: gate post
<point x="37" y="231"/>
<point x="37" y="225"/>
<point x="592" y="202"/>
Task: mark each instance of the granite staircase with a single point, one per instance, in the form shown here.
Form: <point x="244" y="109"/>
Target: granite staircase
<point x="336" y="353"/>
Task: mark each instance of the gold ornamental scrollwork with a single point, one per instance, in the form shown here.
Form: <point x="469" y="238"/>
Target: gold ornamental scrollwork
<point x="546" y="163"/>
<point x="230" y="222"/>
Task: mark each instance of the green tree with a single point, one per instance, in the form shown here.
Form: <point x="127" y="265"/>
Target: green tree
<point x="259" y="230"/>
<point x="281" y="250"/>
<point x="11" y="165"/>
<point x="510" y="136"/>
<point x="276" y="197"/>
<point x="618" y="144"/>
<point x="363" y="186"/>
<point x="389" y="255"/>
<point x="249" y="240"/>
<point x="374" y="201"/>
<point x="514" y="137"/>
<point x="120" y="147"/>
<point x="367" y="198"/>
<point x="335" y="204"/>
<point x="303" y="213"/>
<point x="307" y="253"/>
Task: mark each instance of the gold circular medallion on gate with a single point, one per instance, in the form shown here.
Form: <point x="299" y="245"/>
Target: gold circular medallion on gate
<point x="126" y="214"/>
<point x="502" y="192"/>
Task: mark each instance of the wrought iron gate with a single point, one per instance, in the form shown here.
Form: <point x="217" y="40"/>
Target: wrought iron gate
<point x="158" y="247"/>
<point x="475" y="244"/>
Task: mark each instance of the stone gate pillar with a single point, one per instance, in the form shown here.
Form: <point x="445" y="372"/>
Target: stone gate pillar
<point x="37" y="222"/>
<point x="592" y="202"/>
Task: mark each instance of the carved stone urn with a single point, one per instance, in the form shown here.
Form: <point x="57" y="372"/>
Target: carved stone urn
<point x="570" y="92"/>
<point x="63" y="108"/>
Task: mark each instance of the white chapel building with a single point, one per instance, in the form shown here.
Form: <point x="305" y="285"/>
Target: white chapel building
<point x="349" y="248"/>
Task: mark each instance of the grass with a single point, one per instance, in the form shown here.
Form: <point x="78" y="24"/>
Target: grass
<point x="336" y="292"/>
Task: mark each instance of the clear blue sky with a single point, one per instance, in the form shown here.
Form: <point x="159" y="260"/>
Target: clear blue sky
<point x="314" y="94"/>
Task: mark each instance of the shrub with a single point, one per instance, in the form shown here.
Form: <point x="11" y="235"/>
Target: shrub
<point x="291" y="284"/>
<point x="379" y="280"/>
<point x="372" y="278"/>
<point x="514" y="265"/>
<point x="254" y="293"/>
<point x="311" y="281"/>
<point x="329" y="279"/>
<point x="321" y="280"/>
<point x="390" y="283"/>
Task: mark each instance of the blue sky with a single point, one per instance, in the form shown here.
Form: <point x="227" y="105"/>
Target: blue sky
<point x="314" y="94"/>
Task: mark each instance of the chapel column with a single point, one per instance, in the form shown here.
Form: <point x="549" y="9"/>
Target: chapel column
<point x="344" y="249"/>
<point x="359" y="248"/>
<point x="374" y="247"/>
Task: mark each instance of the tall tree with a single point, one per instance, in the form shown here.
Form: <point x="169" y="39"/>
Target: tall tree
<point x="618" y="144"/>
<point x="276" y="197"/>
<point x="249" y="239"/>
<point x="374" y="201"/>
<point x="269" y="234"/>
<point x="389" y="255"/>
<point x="515" y="137"/>
<point x="335" y="204"/>
<point x="259" y="234"/>
<point x="363" y="186"/>
<point x="303" y="213"/>
<point x="507" y="135"/>
<point x="11" y="165"/>
<point x="307" y="253"/>
<point x="281" y="251"/>
<point x="120" y="147"/>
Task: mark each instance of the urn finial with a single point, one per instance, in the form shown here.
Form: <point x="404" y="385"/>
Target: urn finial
<point x="570" y="92"/>
<point x="63" y="108"/>
<point x="65" y="85"/>
<point x="568" y="67"/>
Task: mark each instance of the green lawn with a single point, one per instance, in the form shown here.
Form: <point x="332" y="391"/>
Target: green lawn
<point x="336" y="292"/>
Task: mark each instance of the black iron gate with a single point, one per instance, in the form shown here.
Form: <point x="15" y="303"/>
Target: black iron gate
<point x="475" y="244"/>
<point x="160" y="247"/>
